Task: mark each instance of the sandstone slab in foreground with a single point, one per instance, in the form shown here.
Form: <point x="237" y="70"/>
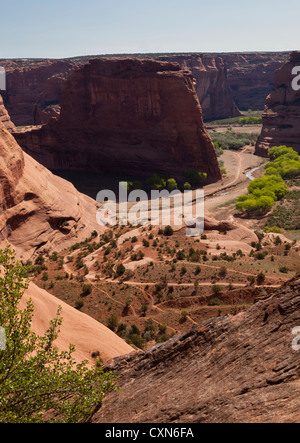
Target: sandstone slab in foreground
<point x="230" y="369"/>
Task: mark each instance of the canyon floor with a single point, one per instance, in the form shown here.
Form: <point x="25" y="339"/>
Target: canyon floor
<point x="147" y="284"/>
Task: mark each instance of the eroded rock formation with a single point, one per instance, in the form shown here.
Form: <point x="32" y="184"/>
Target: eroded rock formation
<point x="5" y="118"/>
<point x="251" y="76"/>
<point x="225" y="83"/>
<point x="33" y="89"/>
<point x="281" y="118"/>
<point x="232" y="369"/>
<point x="212" y="84"/>
<point x="126" y="115"/>
<point x="38" y="211"/>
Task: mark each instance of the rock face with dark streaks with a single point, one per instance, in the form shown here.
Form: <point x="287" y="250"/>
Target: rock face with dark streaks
<point x="38" y="211"/>
<point x="233" y="369"/>
<point x="251" y="76"/>
<point x="281" y="118"/>
<point x="33" y="89"/>
<point x="212" y="86"/>
<point x="126" y="115"/>
<point x="5" y="118"/>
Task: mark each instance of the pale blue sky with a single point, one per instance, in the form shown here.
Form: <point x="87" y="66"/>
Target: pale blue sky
<point x="66" y="28"/>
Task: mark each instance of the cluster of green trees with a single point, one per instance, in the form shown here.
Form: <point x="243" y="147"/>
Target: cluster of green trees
<point x="232" y="140"/>
<point x="286" y="163"/>
<point x="265" y="191"/>
<point x="251" y="120"/>
<point x="193" y="178"/>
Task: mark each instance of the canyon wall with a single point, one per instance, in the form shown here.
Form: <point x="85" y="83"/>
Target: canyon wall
<point x="212" y="86"/>
<point x="281" y="119"/>
<point x="225" y="83"/>
<point x="38" y="211"/>
<point x="33" y="89"/>
<point x="5" y="118"/>
<point x="125" y="115"/>
<point x="251" y="76"/>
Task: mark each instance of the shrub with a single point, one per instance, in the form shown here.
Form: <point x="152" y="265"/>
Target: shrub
<point x="144" y="310"/>
<point x="45" y="276"/>
<point x="261" y="255"/>
<point x="87" y="290"/>
<point x="217" y="289"/>
<point x="233" y="140"/>
<point x="79" y="304"/>
<point x="146" y="243"/>
<point x="184" y="315"/>
<point x="261" y="278"/>
<point x="112" y="322"/>
<point x="120" y="270"/>
<point x="180" y="255"/>
<point x="223" y="272"/>
<point x="168" y="231"/>
<point x="274" y="229"/>
<point x="215" y="302"/>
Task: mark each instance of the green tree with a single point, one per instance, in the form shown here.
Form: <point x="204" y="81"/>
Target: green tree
<point x="120" y="270"/>
<point x="37" y="382"/>
<point x="171" y="184"/>
<point x="168" y="231"/>
<point x="195" y="178"/>
<point x="156" y="182"/>
<point x="112" y="322"/>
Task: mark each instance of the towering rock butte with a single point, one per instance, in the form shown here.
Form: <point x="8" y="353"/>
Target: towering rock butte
<point x="126" y="115"/>
<point x="225" y="82"/>
<point x="34" y="88"/>
<point x="281" y="118"/>
<point x="226" y="370"/>
<point x="38" y="211"/>
<point x="212" y="85"/>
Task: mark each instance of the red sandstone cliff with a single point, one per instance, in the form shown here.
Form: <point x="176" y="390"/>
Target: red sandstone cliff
<point x="251" y="76"/>
<point x="212" y="84"/>
<point x="281" y="119"/>
<point x="33" y="88"/>
<point x="225" y="82"/>
<point x="126" y="115"/>
<point x="38" y="211"/>
<point x="5" y="118"/>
